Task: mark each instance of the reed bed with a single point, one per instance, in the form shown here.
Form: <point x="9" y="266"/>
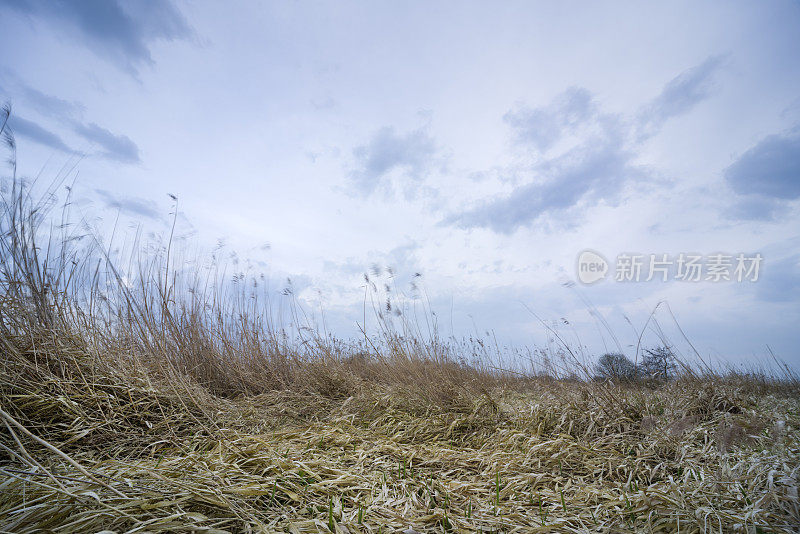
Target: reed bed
<point x="156" y="401"/>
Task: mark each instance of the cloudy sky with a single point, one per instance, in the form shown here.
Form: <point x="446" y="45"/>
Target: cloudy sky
<point x="481" y="145"/>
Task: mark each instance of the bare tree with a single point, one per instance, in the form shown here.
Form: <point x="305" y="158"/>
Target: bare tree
<point x="659" y="363"/>
<point x="616" y="367"/>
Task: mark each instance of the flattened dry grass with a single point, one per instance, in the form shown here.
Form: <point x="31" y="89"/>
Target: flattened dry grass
<point x="534" y="456"/>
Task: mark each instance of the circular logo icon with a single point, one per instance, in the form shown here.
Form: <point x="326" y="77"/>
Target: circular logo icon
<point x="592" y="267"/>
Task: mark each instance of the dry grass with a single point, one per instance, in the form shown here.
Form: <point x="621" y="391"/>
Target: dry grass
<point x="545" y="457"/>
<point x="151" y="403"/>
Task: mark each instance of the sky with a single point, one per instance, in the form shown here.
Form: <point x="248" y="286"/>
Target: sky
<point x="463" y="155"/>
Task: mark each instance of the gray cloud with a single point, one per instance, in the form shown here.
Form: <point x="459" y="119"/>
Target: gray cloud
<point x="595" y="170"/>
<point x="771" y="168"/>
<point x="130" y="205"/>
<point x="116" y="147"/>
<point x="326" y="104"/>
<point x="756" y="208"/>
<point x="120" y="31"/>
<point x="780" y="281"/>
<point x="543" y="126"/>
<point x="30" y="130"/>
<point x="43" y="103"/>
<point x="766" y="177"/>
<point x="412" y="153"/>
<point x="679" y="96"/>
<point x="48" y="104"/>
<point x="401" y="260"/>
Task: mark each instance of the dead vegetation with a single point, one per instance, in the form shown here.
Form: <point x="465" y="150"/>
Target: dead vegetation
<point x="158" y="403"/>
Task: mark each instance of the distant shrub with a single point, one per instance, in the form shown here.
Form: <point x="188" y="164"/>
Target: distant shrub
<point x="616" y="366"/>
<point x="659" y="364"/>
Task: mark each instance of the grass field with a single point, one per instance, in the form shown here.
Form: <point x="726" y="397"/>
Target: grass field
<point x="90" y="448"/>
<point x="158" y="402"/>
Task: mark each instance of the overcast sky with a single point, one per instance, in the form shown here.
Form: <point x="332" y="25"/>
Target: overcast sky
<point x="482" y="145"/>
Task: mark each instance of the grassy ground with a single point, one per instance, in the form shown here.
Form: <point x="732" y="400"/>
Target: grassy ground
<point x="88" y="448"/>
